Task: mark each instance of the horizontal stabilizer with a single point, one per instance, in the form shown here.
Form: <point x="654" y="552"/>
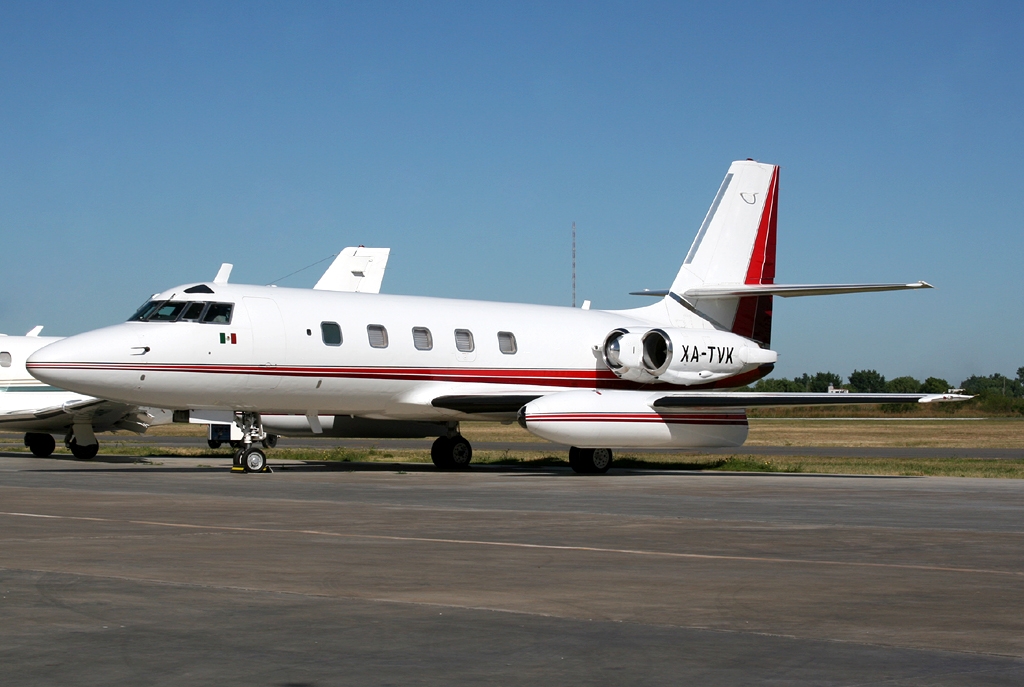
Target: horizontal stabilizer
<point x="784" y="290"/>
<point x="748" y="399"/>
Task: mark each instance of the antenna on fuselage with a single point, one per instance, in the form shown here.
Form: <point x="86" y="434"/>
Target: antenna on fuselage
<point x="223" y="274"/>
<point x="574" y="264"/>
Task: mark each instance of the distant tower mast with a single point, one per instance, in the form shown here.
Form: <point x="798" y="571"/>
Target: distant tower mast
<point x="574" y="264"/>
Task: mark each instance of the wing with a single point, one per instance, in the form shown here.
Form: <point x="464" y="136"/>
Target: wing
<point x="356" y="269"/>
<point x="748" y="399"/>
<point x="102" y="415"/>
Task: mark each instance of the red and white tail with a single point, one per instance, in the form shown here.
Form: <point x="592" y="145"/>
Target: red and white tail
<point x="736" y="245"/>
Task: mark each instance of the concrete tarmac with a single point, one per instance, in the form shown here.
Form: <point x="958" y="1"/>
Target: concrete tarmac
<point x="176" y="571"/>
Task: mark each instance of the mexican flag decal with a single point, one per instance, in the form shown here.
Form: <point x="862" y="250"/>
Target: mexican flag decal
<point x="228" y="338"/>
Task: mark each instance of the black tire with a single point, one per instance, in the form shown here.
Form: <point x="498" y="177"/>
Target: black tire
<point x="460" y="452"/>
<point x="270" y="441"/>
<point x="254" y="460"/>
<point x="213" y="443"/>
<point x="236" y="458"/>
<point x="41" y="445"/>
<point x="440" y="453"/>
<point x="590" y="461"/>
<point x="576" y="461"/>
<point x="83" y="452"/>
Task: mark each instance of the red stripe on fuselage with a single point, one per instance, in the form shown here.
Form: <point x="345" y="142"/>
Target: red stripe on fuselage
<point x="588" y="379"/>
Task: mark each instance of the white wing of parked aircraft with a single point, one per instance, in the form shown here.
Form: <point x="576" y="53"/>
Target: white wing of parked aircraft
<point x="357" y="269"/>
<point x="654" y="376"/>
<point x="41" y="410"/>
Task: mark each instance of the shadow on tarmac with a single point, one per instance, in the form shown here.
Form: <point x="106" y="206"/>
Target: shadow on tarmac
<point x="155" y="465"/>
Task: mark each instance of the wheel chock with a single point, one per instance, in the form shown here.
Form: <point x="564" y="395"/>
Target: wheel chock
<point x="237" y="468"/>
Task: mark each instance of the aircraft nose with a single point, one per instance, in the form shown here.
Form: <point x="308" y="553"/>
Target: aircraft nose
<point x="78" y="363"/>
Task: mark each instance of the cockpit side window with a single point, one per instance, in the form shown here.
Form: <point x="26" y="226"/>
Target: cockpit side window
<point x="5" y="359"/>
<point x="218" y="313"/>
<point x="193" y="312"/>
<point x="143" y="313"/>
<point x="168" y="312"/>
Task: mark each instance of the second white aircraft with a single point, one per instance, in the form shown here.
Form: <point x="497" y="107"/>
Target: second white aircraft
<point x="655" y="376"/>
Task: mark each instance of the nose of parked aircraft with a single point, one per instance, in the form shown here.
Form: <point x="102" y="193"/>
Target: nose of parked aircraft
<point x="81" y="363"/>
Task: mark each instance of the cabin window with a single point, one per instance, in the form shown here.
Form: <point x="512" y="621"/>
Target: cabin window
<point x="378" y="335"/>
<point x="507" y="343"/>
<point x="464" y="340"/>
<point x="193" y="312"/>
<point x="5" y="359"/>
<point x="331" y="333"/>
<point x="145" y="311"/>
<point x="421" y="339"/>
<point x="218" y="313"/>
<point x="168" y="312"/>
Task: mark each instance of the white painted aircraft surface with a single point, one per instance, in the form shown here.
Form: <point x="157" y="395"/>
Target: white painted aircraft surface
<point x="41" y="410"/>
<point x="356" y="269"/>
<point x="596" y="380"/>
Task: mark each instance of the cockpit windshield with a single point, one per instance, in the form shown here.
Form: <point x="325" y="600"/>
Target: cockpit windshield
<point x="184" y="311"/>
<point x="218" y="313"/>
<point x="144" y="312"/>
<point x="168" y="312"/>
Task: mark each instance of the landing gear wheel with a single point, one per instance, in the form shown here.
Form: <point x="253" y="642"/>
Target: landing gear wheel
<point x="590" y="461"/>
<point x="461" y="453"/>
<point x="270" y="441"/>
<point x="254" y="460"/>
<point x="213" y="443"/>
<point x="83" y="452"/>
<point x="451" y="453"/>
<point x="41" y="445"/>
<point x="440" y="453"/>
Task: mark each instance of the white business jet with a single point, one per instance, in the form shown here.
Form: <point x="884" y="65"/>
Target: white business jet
<point x="41" y="410"/>
<point x="655" y="376"/>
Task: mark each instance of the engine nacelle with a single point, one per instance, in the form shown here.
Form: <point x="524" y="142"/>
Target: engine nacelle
<point x="626" y="419"/>
<point x="681" y="356"/>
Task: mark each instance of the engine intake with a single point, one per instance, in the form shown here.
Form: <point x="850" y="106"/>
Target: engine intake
<point x="681" y="356"/>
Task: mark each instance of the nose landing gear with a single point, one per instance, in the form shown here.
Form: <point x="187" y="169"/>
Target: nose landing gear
<point x="249" y="458"/>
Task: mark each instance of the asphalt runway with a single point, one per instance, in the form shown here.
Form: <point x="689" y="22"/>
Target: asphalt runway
<point x="177" y="571"/>
<point x="546" y="446"/>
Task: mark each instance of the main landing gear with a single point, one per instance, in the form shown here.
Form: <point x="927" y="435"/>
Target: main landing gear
<point x="41" y="445"/>
<point x="249" y="458"/>
<point x="451" y="452"/>
<point x="590" y="461"/>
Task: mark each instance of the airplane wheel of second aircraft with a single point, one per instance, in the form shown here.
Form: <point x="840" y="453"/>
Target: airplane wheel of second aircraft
<point x="41" y="445"/>
<point x="83" y="452"/>
<point x="254" y="460"/>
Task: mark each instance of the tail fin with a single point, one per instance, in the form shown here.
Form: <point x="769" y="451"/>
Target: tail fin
<point x="736" y="245"/>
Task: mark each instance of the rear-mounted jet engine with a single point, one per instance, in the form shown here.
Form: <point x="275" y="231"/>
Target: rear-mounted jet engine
<point x="681" y="356"/>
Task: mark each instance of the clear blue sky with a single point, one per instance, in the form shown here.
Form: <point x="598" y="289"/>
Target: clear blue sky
<point x="142" y="144"/>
